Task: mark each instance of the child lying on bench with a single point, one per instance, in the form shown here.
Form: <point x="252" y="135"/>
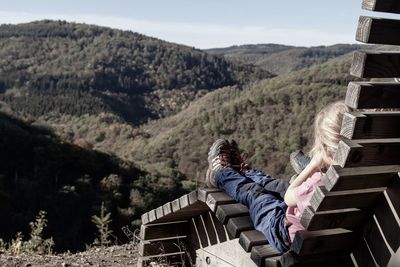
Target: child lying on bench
<point x="275" y="205"/>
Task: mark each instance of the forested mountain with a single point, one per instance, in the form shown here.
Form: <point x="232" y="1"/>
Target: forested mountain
<point x="39" y="171"/>
<point x="270" y="119"/>
<point x="281" y="59"/>
<point x="68" y="68"/>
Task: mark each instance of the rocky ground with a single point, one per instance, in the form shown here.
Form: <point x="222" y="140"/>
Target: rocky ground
<point x="118" y="256"/>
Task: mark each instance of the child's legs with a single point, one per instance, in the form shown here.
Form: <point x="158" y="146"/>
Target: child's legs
<point x="268" y="182"/>
<point x="266" y="211"/>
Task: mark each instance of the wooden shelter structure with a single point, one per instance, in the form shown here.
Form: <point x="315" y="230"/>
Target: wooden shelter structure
<point x="353" y="220"/>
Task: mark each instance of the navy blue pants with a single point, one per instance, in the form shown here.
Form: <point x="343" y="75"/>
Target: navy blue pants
<point x="263" y="195"/>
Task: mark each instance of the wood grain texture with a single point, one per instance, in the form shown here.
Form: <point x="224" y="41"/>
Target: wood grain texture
<point x="362" y="254"/>
<point x="368" y="152"/>
<point x="192" y="197"/>
<point x="375" y="64"/>
<point x="323" y="200"/>
<point x="388" y="221"/>
<point x="345" y="218"/>
<point x="145" y="218"/>
<point x="214" y="199"/>
<point x="167" y="207"/>
<point x="376" y="243"/>
<point x="159" y="212"/>
<point x="249" y="239"/>
<point x="373" y="95"/>
<point x="224" y="212"/>
<point x="203" y="192"/>
<point x="378" y="31"/>
<point x="260" y="253"/>
<point x="237" y="225"/>
<point x="338" y="179"/>
<point x="368" y="125"/>
<point x="315" y="242"/>
<point x="389" y="6"/>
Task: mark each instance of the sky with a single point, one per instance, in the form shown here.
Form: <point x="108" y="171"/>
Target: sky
<point x="206" y="23"/>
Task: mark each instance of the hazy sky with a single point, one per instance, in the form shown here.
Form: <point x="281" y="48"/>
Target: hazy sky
<point x="206" y="23"/>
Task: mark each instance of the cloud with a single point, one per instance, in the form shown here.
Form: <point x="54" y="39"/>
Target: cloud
<point x="195" y="34"/>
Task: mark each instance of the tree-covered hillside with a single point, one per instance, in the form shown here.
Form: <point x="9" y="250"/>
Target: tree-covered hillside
<point x="39" y="171"/>
<point x="281" y="59"/>
<point x="270" y="119"/>
<point x="68" y="68"/>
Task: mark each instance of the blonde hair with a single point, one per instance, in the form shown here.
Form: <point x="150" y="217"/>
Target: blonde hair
<point x="327" y="126"/>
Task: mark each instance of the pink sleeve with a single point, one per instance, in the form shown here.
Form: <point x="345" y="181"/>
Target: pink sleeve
<point x="304" y="191"/>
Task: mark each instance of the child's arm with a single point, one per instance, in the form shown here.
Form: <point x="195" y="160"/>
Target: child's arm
<point x="290" y="198"/>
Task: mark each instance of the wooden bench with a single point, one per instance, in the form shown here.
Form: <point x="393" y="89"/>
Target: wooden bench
<point x="353" y="220"/>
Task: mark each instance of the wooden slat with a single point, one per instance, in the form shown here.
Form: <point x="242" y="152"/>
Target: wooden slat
<point x="323" y="200"/>
<point x="184" y="201"/>
<point x="159" y="212"/>
<point x="203" y="192"/>
<point x="373" y="95"/>
<point x="204" y="239"/>
<point x="218" y="198"/>
<point x="210" y="228"/>
<point x="175" y="205"/>
<point x="260" y="253"/>
<point x="273" y="262"/>
<point x="219" y="227"/>
<point x="224" y="212"/>
<point x="344" y="218"/>
<point x="167" y="207"/>
<point x="306" y="243"/>
<point x="159" y="231"/>
<point x="390" y="6"/>
<point x="145" y="218"/>
<point x="237" y="225"/>
<point x="395" y="260"/>
<point x="367" y="125"/>
<point x="388" y="223"/>
<point x="337" y="178"/>
<point x="362" y="254"/>
<point x="378" y="31"/>
<point x="376" y="243"/>
<point x="393" y="195"/>
<point x="152" y="215"/>
<point x="329" y="259"/>
<point x="376" y="64"/>
<point x="192" y="197"/>
<point x="368" y="152"/>
<point x="249" y="239"/>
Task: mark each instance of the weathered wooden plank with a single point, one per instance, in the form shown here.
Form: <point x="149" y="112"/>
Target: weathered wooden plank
<point x="224" y="212"/>
<point x="237" y="225"/>
<point x="192" y="197"/>
<point x="203" y="192"/>
<point x="249" y="239"/>
<point x="368" y="125"/>
<point x="373" y="95"/>
<point x="390" y="6"/>
<point x="376" y="243"/>
<point x="378" y="31"/>
<point x="152" y="215"/>
<point x="184" y="201"/>
<point x="323" y="200"/>
<point x="329" y="259"/>
<point x="204" y="239"/>
<point x="159" y="212"/>
<point x="337" y="178"/>
<point x="273" y="262"/>
<point x="165" y="230"/>
<point x="210" y="228"/>
<point x="395" y="259"/>
<point x="260" y="253"/>
<point x="219" y="227"/>
<point x="388" y="223"/>
<point x="375" y="64"/>
<point x="315" y="242"/>
<point x="344" y="218"/>
<point x="145" y="218"/>
<point x="368" y="152"/>
<point x="175" y="205"/>
<point x="362" y="254"/>
<point x="392" y="194"/>
<point x="167" y="208"/>
<point x="218" y="198"/>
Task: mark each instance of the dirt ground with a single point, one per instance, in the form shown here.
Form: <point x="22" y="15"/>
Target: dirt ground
<point x="118" y="256"/>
